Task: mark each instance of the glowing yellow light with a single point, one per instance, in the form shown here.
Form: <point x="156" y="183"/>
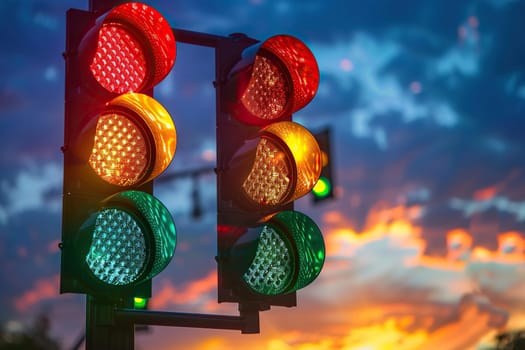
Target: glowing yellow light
<point x="122" y="151"/>
<point x="121" y="168"/>
<point x="305" y="153"/>
<point x="277" y="164"/>
<point x="269" y="180"/>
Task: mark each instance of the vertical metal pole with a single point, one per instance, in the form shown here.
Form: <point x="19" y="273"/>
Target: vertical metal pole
<point x="103" y="331"/>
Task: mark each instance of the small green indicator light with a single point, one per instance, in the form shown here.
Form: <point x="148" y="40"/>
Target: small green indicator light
<point x="322" y="187"/>
<point x="140" y="303"/>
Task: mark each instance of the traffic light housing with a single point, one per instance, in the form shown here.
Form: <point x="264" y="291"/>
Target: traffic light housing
<point x="324" y="188"/>
<point x="265" y="161"/>
<point x="117" y="139"/>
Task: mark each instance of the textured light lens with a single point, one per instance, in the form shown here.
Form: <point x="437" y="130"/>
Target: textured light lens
<point x="135" y="49"/>
<point x="301" y="65"/>
<point x="289" y="254"/>
<point x="309" y="243"/>
<point x="122" y="151"/>
<point x="305" y="154"/>
<point x="272" y="268"/>
<point x="130" y="240"/>
<point x="160" y="223"/>
<point x="120" y="154"/>
<point x="269" y="179"/>
<point x="268" y="92"/>
<point x="118" y="249"/>
<point x="119" y="64"/>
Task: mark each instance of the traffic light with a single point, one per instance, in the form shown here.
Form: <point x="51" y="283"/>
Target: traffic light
<point x="117" y="139"/>
<point x="265" y="161"/>
<point x="324" y="188"/>
<point x="140" y="303"/>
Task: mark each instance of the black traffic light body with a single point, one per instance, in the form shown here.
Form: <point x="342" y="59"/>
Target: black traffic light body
<point x="113" y="230"/>
<point x="233" y="220"/>
<point x="255" y="136"/>
<point x="82" y="190"/>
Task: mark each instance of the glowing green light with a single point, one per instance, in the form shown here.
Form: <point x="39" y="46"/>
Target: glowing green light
<point x="272" y="268"/>
<point x="322" y="188"/>
<point x="161" y="224"/>
<point x="118" y="250"/>
<point x="140" y="303"/>
<point x="289" y="255"/>
<point x="133" y="238"/>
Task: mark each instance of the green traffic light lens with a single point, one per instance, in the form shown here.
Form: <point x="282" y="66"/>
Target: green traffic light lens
<point x="322" y="188"/>
<point x="133" y="238"/>
<point x="272" y="268"/>
<point x="290" y="255"/>
<point x="118" y="250"/>
<point x="162" y="228"/>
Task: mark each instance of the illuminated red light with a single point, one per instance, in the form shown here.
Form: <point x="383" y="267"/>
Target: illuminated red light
<point x="281" y="78"/>
<point x="301" y="65"/>
<point x="135" y="49"/>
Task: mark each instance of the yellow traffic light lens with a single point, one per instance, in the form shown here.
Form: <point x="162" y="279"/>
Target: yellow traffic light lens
<point x="286" y="165"/>
<point x="118" y="250"/>
<point x="269" y="180"/>
<point x="135" y="140"/>
<point x="135" y="49"/>
<point x="268" y="92"/>
<point x="120" y="153"/>
<point x="305" y="154"/>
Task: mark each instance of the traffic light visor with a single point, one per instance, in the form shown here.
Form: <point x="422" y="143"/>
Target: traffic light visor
<point x="134" y="140"/>
<point x="135" y="49"/>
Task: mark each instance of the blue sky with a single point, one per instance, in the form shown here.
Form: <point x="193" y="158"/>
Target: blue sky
<point x="427" y="103"/>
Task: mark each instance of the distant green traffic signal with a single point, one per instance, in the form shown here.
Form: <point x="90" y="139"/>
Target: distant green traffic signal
<point x="324" y="188"/>
<point x="140" y="303"/>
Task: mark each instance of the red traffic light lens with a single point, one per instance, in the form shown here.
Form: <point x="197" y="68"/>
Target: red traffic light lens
<point x="268" y="91"/>
<point x="301" y="65"/>
<point x="135" y="49"/>
<point x="273" y="80"/>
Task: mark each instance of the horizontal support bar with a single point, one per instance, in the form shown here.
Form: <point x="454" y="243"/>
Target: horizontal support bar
<point x="198" y="38"/>
<point x="184" y="173"/>
<point x="247" y="323"/>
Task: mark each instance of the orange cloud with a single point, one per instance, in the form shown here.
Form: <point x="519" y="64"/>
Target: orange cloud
<point x="193" y="292"/>
<point x="43" y="289"/>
